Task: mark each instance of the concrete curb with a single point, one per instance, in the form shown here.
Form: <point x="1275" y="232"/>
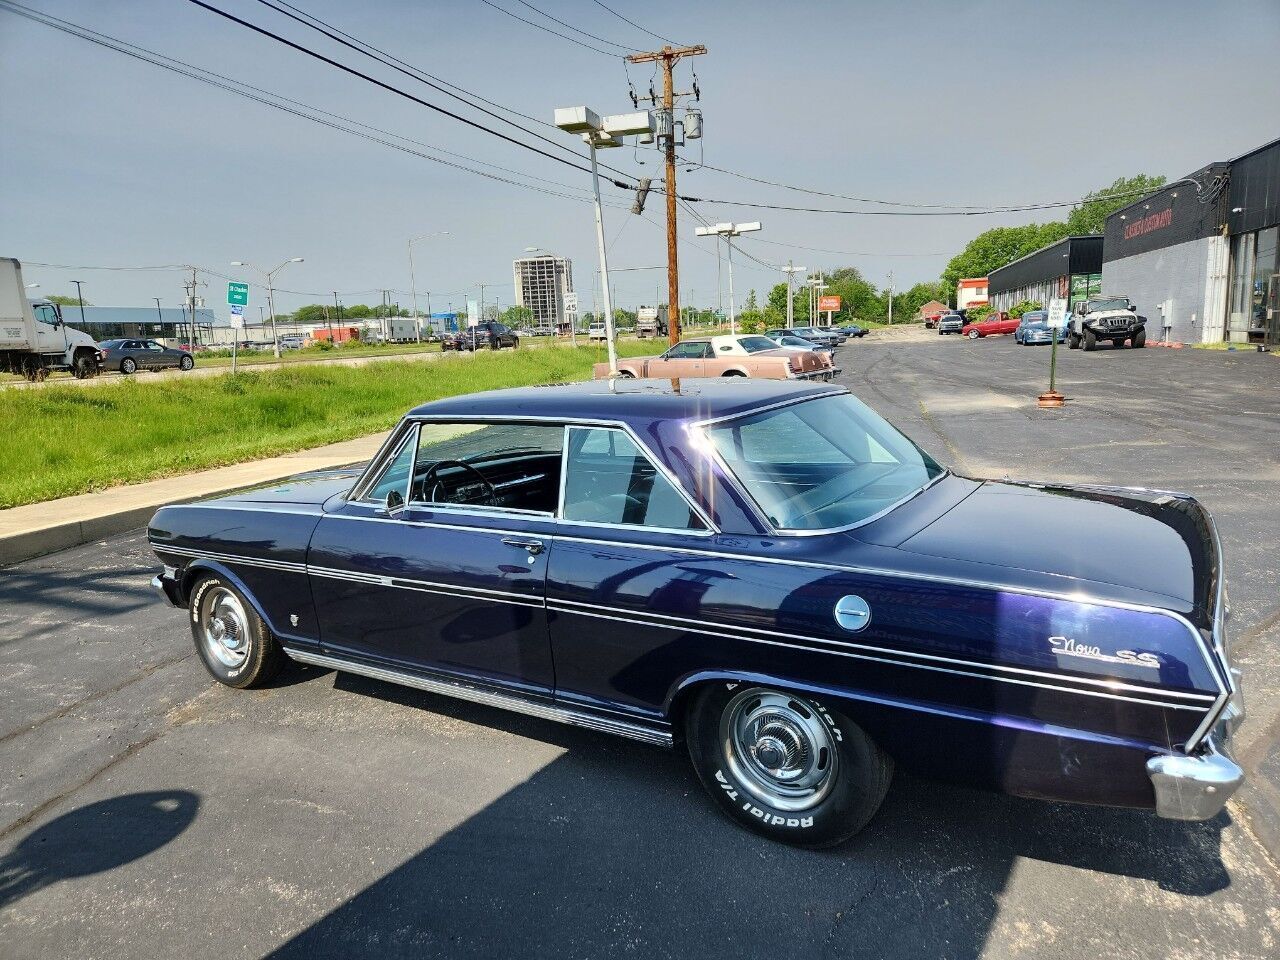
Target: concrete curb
<point x="42" y="528"/>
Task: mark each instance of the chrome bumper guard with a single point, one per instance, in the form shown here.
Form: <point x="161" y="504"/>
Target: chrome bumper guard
<point x="166" y="584"/>
<point x="824" y="374"/>
<point x="1197" y="787"/>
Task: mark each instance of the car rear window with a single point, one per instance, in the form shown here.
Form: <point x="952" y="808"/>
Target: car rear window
<point x="823" y="463"/>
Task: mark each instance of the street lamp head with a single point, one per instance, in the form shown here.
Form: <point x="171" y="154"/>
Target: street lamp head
<point x="296" y="260"/>
<point x="238" y="263"/>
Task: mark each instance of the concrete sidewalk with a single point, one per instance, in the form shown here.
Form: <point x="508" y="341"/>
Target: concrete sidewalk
<point x="41" y="528"/>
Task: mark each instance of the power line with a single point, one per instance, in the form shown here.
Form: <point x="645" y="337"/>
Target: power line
<point x="385" y="86"/>
<point x="557" y="33"/>
<point x="388" y="59"/>
<point x="636" y="25"/>
<point x="620" y="46"/>
<point x="843" y="253"/>
<point x="252" y="93"/>
<point x="974" y="209"/>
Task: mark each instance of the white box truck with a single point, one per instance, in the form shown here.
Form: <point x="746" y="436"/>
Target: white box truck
<point x="33" y="338"/>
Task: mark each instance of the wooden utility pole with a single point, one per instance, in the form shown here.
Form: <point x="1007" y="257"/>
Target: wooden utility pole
<point x="667" y="57"/>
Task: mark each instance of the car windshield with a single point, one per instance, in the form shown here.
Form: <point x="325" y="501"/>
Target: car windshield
<point x="756" y="344"/>
<point x="1112" y="303"/>
<point x="823" y="463"/>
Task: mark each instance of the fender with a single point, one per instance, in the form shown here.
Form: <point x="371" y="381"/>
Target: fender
<point x="199" y="564"/>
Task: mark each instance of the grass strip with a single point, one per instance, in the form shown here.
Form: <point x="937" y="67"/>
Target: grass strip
<point x="61" y="441"/>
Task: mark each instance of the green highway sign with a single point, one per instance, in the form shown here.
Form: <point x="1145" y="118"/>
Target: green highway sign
<point x="237" y="293"/>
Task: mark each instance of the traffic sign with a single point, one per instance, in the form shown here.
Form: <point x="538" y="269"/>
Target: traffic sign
<point x="1057" y="314"/>
<point x="237" y="293"/>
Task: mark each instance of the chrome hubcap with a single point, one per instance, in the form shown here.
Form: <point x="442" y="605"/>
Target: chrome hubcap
<point x="779" y="747"/>
<point x="226" y="628"/>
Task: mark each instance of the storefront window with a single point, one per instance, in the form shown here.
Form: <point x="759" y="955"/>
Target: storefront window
<point x="1242" y="259"/>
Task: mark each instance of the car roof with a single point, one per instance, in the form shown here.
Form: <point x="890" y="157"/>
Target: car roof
<point x="628" y="400"/>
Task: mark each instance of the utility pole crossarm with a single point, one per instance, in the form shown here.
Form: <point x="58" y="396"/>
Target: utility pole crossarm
<point x="667" y="53"/>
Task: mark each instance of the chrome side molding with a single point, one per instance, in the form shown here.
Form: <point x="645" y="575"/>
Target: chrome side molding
<point x="492" y="698"/>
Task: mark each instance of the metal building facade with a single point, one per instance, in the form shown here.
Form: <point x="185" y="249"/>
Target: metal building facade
<point x="1070" y="269"/>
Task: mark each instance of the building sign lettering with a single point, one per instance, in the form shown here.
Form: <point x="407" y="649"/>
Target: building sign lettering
<point x="1157" y="221"/>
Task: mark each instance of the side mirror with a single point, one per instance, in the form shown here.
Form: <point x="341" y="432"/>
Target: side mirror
<point x="1133" y="308"/>
<point x="395" y="503"/>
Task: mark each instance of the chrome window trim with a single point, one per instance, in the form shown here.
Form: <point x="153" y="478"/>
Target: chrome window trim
<point x="707" y="529"/>
<point x="602" y="422"/>
<point x="761" y="514"/>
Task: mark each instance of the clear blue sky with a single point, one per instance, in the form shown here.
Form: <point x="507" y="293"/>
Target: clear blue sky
<point x="107" y="161"/>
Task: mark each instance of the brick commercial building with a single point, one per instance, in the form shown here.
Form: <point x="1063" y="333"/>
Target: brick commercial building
<point x="1200" y="258"/>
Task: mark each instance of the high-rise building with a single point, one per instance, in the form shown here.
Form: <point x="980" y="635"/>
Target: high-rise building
<point x="541" y="283"/>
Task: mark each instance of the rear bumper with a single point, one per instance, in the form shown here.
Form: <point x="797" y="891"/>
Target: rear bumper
<point x="825" y="373"/>
<point x="1195" y="787"/>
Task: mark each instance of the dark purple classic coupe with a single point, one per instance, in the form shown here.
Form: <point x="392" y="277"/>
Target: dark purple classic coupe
<point x="764" y="571"/>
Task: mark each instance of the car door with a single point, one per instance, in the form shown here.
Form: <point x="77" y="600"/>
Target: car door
<point x="50" y="336"/>
<point x="622" y="522"/>
<point x="686" y="359"/>
<point x="448" y="583"/>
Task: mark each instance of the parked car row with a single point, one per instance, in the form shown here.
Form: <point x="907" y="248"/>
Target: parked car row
<point x="742" y="355"/>
<point x="489" y="335"/>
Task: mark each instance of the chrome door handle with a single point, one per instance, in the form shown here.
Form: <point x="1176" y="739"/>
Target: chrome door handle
<point x="533" y="546"/>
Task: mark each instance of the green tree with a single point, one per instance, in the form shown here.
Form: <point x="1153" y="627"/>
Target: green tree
<point x="62" y="301"/>
<point x="357" y="311"/>
<point x="1091" y="215"/>
<point x="907" y="304"/>
<point x="1018" y="309"/>
<point x="752" y="305"/>
<point x="997" y="247"/>
<point x="517" y="316"/>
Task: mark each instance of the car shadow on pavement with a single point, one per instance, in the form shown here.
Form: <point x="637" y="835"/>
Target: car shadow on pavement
<point x="95" y="838"/>
<point x="612" y="848"/>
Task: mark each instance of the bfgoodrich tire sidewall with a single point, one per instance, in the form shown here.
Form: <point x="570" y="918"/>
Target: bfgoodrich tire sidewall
<point x="245" y="673"/>
<point x="862" y="775"/>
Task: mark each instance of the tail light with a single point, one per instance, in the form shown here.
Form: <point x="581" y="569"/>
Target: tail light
<point x="796" y="362"/>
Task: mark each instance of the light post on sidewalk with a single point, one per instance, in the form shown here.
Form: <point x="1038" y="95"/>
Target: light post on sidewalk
<point x="729" y="231"/>
<point x="791" y="270"/>
<point x="413" y="285"/>
<point x="270" y="276"/>
<point x="599" y="133"/>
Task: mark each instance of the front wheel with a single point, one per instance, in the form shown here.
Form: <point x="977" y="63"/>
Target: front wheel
<point x="974" y="334"/>
<point x="1139" y="339"/>
<point x="128" y="365"/>
<point x="232" y="640"/>
<point x="84" y="367"/>
<point x="785" y="766"/>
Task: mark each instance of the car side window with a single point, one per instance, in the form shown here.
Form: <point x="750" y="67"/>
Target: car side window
<point x="45" y="314"/>
<point x="688" y="351"/>
<point x="609" y="480"/>
<point x="504" y="466"/>
<point x="152" y="345"/>
<point x="396" y="475"/>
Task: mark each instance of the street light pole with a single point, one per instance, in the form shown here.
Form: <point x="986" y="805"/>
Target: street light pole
<point x="791" y="270"/>
<point x="80" y="297"/>
<point x="413" y="285"/>
<point x="729" y="231"/>
<point x="270" y="276"/>
<point x="604" y="263"/>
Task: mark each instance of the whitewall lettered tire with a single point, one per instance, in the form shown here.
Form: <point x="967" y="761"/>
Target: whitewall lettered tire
<point x="231" y="639"/>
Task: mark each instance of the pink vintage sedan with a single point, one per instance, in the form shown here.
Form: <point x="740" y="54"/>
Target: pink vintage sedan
<point x="743" y="355"/>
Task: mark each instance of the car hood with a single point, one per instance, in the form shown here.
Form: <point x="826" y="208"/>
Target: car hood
<point x="1107" y="537"/>
<point x="1110" y="314"/>
<point x="306" y="488"/>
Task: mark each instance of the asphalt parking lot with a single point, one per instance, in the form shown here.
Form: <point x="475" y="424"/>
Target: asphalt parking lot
<point x="147" y="812"/>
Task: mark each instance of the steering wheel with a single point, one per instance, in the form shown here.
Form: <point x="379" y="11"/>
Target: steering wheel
<point x="431" y="484"/>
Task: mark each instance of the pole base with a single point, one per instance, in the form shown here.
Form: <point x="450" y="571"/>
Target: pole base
<point x="1051" y="399"/>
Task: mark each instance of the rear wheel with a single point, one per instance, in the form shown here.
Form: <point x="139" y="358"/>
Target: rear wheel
<point x="86" y="366"/>
<point x="733" y="373"/>
<point x="785" y="766"/>
<point x="186" y="363"/>
<point x="234" y="643"/>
